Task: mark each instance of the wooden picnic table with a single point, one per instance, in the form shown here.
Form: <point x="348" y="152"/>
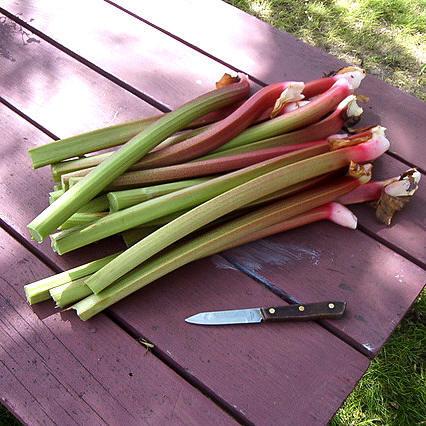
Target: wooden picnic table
<point x="67" y="67"/>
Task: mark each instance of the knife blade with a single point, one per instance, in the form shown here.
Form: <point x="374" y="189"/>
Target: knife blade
<point x="309" y="311"/>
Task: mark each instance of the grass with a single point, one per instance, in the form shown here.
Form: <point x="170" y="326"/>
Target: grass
<point x="386" y="37"/>
<point x="393" y="390"/>
<point x="6" y="419"/>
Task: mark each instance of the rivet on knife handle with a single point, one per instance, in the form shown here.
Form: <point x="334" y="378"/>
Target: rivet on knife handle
<point x="309" y="311"/>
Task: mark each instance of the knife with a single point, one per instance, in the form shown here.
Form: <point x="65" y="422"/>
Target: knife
<point x="309" y="311"/>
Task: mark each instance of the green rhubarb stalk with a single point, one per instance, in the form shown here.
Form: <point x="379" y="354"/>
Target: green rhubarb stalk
<point x="98" y="204"/>
<point x="39" y="291"/>
<point x="174" y="202"/>
<point x="65" y="167"/>
<point x="107" y="137"/>
<point x="294" y="120"/>
<point x="252" y="226"/>
<point x="207" y="244"/>
<point x="54" y="195"/>
<point x="120" y="200"/>
<point x="69" y="293"/>
<point x="95" y="140"/>
<point x="76" y="290"/>
<point x="134" y="235"/>
<point x="210" y="167"/>
<point x="347" y="113"/>
<point x="231" y="200"/>
<point x="81" y="220"/>
<point x="103" y="174"/>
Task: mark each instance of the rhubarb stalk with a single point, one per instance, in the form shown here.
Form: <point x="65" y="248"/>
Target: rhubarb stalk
<point x="206" y="244"/>
<point x="120" y="200"/>
<point x="347" y="113"/>
<point x="59" y="211"/>
<point x="174" y="202"/>
<point x="39" y="291"/>
<point x="232" y="200"/>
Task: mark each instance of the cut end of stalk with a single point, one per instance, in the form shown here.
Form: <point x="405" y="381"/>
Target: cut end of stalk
<point x="352" y="74"/>
<point x="353" y="111"/>
<point x="339" y="141"/>
<point x="396" y="195"/>
<point x="113" y="202"/>
<point x="341" y="215"/>
<point x="370" y="150"/>
<point x="35" y="235"/>
<point x="34" y="295"/>
<point x="362" y="172"/>
<point x="292" y="93"/>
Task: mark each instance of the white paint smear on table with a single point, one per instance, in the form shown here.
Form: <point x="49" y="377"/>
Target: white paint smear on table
<point x="255" y="256"/>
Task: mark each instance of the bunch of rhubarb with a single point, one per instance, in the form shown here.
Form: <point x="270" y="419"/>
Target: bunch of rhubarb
<point x="226" y="168"/>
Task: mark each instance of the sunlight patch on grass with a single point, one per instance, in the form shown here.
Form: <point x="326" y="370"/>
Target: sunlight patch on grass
<point x="386" y="37"/>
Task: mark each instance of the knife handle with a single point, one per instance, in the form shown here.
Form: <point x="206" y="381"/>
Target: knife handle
<point x="309" y="311"/>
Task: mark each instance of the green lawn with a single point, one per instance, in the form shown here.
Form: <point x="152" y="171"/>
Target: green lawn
<point x="385" y="36"/>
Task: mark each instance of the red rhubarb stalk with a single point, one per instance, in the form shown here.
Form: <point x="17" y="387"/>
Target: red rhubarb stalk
<point x="315" y="87"/>
<point x="334" y="212"/>
<point x="347" y="113"/>
<point x="227" y="128"/>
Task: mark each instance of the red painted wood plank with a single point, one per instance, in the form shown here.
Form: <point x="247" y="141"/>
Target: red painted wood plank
<point x="56" y="369"/>
<point x="324" y="261"/>
<point x="284" y="373"/>
<point x="86" y="86"/>
<point x="24" y="191"/>
<point x="268" y="54"/>
<point x="141" y="57"/>
<point x="51" y="87"/>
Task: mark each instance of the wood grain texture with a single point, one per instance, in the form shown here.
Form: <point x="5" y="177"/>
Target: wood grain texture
<point x="270" y="55"/>
<point x="94" y="114"/>
<point x="145" y="59"/>
<point x="324" y="262"/>
<point x="273" y="373"/>
<point x="56" y="369"/>
<point x="24" y="191"/>
<point x="51" y="87"/>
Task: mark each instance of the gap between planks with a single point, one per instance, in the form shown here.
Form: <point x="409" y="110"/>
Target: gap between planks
<point x="148" y="99"/>
<point x="128" y="329"/>
<point x="263" y="281"/>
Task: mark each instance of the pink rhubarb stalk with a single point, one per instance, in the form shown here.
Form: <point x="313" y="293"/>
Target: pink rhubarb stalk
<point x="346" y="114"/>
<point x="334" y="212"/>
<point x="226" y="129"/>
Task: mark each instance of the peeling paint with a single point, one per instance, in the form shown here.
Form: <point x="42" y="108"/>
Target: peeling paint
<point x="269" y="253"/>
